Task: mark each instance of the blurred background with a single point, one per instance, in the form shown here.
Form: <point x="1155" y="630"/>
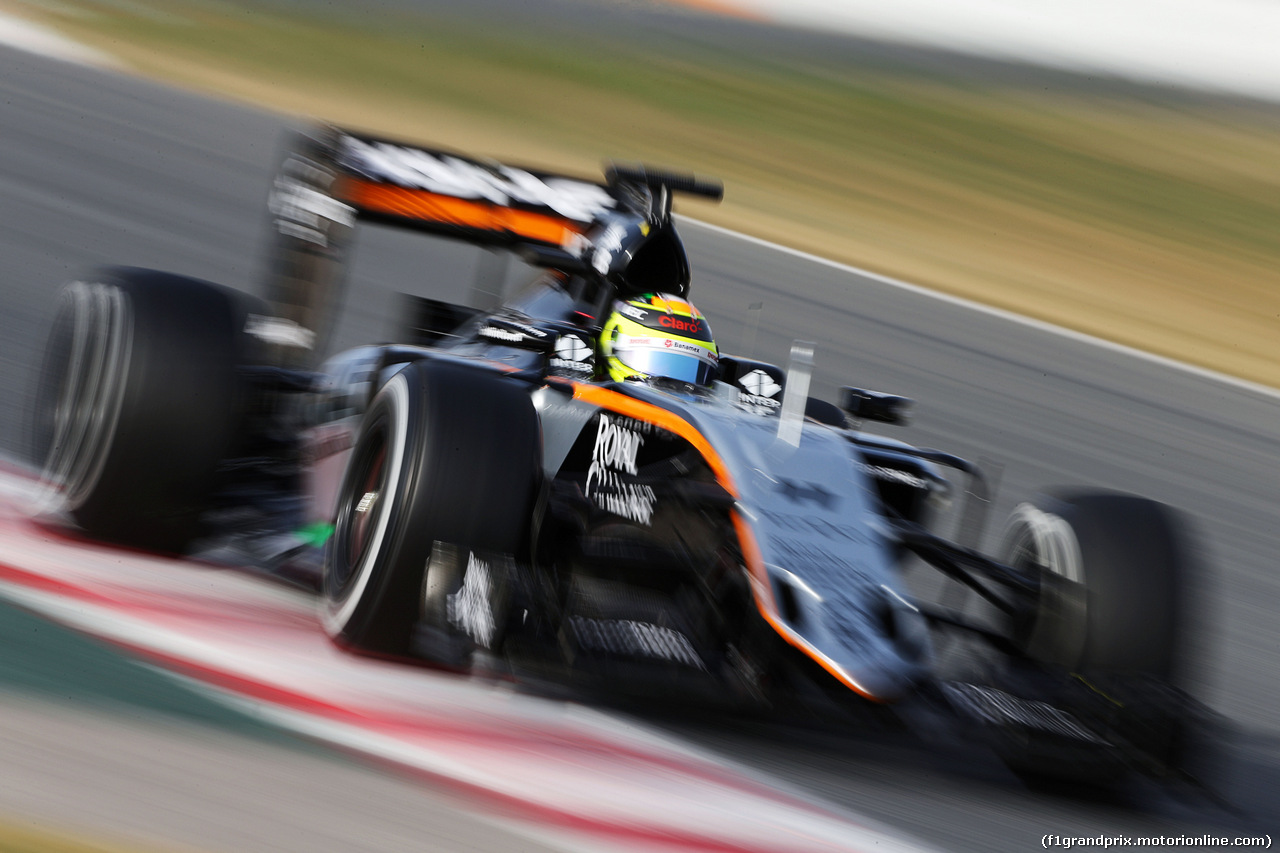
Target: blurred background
<point x="1107" y="167"/>
<point x="1125" y="185"/>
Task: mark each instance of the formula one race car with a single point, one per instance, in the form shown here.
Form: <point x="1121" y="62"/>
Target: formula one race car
<point x="579" y="481"/>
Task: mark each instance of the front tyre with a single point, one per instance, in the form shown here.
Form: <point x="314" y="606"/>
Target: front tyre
<point x="447" y="453"/>
<point x="1114" y="613"/>
<point x="1127" y="564"/>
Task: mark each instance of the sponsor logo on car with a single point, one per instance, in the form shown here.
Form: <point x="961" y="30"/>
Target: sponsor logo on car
<point x="573" y="354"/>
<point x="531" y="331"/>
<point x="304" y="212"/>
<point x="616" y="446"/>
<point x="759" y="383"/>
<point x="613" y="459"/>
<point x="572" y="348"/>
<point x="687" y="325"/>
<point x="894" y="475"/>
<point x="701" y="352"/>
<point x="498" y="333"/>
<point x="629" y="500"/>
<point x="470" y="609"/>
<point x="759" y="405"/>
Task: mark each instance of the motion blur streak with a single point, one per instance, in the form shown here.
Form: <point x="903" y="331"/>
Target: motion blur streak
<point x="259" y="646"/>
<point x="1214" y="44"/>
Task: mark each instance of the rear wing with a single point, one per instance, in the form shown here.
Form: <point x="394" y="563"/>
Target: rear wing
<point x="447" y="193"/>
<point x="331" y="179"/>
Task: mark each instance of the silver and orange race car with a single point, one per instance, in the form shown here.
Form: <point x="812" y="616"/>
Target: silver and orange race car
<point x="484" y="493"/>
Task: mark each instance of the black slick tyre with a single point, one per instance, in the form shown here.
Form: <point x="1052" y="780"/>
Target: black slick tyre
<point x="139" y="402"/>
<point x="1131" y="560"/>
<point x="1114" y="613"/>
<point x="447" y="453"/>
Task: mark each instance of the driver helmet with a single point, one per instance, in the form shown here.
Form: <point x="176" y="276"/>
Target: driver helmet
<point x="658" y="336"/>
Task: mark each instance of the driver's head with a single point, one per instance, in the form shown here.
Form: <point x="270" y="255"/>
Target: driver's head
<point x="658" y="336"/>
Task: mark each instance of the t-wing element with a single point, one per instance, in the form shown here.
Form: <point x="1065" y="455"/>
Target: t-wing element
<point x="617" y="174"/>
<point x="796" y="393"/>
<point x="634" y="248"/>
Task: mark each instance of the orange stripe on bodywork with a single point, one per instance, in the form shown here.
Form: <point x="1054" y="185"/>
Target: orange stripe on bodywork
<point x="761" y="589"/>
<point x="633" y="408"/>
<point x="449" y="210"/>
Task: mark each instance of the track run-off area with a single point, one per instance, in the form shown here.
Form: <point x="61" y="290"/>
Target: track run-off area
<point x="567" y="770"/>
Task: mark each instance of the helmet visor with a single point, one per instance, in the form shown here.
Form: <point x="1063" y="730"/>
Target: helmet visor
<point x="668" y="363"/>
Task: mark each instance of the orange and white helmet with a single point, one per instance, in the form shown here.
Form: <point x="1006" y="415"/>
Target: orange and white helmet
<point x="658" y="335"/>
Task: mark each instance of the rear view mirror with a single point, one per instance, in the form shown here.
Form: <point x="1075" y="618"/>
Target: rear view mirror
<point x="876" y="406"/>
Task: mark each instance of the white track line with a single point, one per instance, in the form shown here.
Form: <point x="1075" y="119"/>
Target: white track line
<point x="578" y="776"/>
<point x="33" y="38"/>
<point x="1030" y="322"/>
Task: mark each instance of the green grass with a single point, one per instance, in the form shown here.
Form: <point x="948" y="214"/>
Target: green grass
<point x="45" y="662"/>
<point x="1147" y="217"/>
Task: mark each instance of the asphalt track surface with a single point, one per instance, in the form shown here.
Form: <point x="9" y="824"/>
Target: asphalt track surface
<point x="97" y="168"/>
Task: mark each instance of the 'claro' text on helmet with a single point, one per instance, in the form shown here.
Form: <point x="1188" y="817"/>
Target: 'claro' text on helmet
<point x="688" y="325"/>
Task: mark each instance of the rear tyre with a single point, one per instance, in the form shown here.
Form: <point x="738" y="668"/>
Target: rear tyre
<point x="447" y="453"/>
<point x="139" y="400"/>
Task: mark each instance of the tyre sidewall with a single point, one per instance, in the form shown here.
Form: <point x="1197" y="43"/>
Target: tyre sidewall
<point x="465" y="472"/>
<point x="178" y="407"/>
<point x="359" y="592"/>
